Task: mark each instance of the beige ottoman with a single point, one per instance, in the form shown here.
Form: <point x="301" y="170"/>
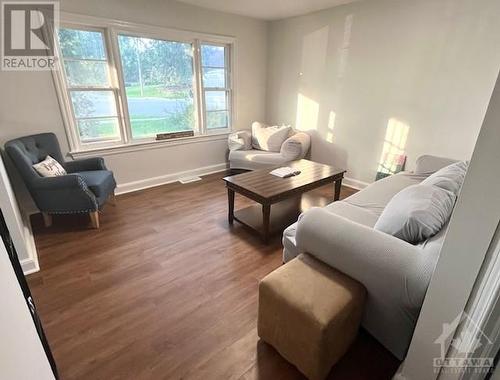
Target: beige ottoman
<point x="310" y="313"/>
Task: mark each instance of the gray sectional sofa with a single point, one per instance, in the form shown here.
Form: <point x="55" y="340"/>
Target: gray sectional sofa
<point x="395" y="273"/>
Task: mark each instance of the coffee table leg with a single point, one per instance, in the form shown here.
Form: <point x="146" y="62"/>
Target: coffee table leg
<point x="266" y="213"/>
<point x="230" y="199"/>
<point x="338" y="185"/>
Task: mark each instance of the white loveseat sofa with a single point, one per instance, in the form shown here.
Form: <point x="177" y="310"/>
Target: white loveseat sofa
<point x="243" y="156"/>
<point x="395" y="273"/>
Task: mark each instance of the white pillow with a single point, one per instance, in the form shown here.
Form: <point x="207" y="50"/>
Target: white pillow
<point x="239" y="141"/>
<point x="49" y="168"/>
<point x="416" y="213"/>
<point x="269" y="138"/>
<point x="449" y="178"/>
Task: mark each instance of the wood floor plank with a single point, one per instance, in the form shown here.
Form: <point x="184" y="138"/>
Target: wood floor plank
<point x="166" y="289"/>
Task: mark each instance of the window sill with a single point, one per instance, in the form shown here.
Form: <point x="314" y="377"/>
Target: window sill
<point x="138" y="146"/>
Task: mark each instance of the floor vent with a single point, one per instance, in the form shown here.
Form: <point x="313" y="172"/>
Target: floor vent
<point x="189" y="179"/>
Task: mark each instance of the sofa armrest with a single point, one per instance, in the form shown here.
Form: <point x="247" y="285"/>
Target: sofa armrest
<point x="382" y="263"/>
<point x="296" y="146"/>
<point x="93" y="163"/>
<point x="428" y="164"/>
<point x="240" y="140"/>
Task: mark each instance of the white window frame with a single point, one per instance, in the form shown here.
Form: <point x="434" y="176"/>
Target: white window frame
<point x="111" y="30"/>
<point x="227" y="89"/>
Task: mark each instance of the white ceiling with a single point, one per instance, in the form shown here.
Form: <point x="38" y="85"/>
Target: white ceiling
<point x="267" y="9"/>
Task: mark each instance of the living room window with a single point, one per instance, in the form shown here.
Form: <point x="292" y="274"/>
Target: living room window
<point x="122" y="84"/>
<point x="159" y="85"/>
<point x="216" y="85"/>
<point x="92" y="98"/>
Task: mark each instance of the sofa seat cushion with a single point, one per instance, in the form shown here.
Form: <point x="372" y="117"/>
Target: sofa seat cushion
<point x="100" y="182"/>
<point x="310" y="313"/>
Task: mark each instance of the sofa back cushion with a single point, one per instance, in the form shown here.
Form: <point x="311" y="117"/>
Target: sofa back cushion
<point x="416" y="213"/>
<point x="269" y="138"/>
<point x="448" y="178"/>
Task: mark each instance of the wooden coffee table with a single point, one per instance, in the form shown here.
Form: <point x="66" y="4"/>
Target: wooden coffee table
<point x="284" y="193"/>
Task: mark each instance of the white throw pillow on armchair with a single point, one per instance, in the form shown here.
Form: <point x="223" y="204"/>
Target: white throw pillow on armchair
<point x="269" y="138"/>
<point x="49" y="168"/>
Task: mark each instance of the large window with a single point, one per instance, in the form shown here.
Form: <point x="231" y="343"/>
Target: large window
<point x="122" y="87"/>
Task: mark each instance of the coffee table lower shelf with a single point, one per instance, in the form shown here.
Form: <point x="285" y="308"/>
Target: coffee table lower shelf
<point x="282" y="214"/>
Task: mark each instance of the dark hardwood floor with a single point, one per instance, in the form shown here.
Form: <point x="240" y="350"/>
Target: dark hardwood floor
<point x="165" y="289"/>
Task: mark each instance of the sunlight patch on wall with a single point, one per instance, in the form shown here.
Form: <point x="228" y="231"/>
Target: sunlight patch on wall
<point x="307" y="113"/>
<point x="331" y="125"/>
<point x="393" y="152"/>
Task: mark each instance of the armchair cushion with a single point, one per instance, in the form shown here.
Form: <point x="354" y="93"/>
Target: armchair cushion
<point x="49" y="168"/>
<point x="268" y="138"/>
<point x="241" y="140"/>
<point x="296" y="146"/>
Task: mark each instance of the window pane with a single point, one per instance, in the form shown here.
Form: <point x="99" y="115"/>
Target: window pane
<point x="158" y="79"/>
<point x="86" y="73"/>
<point x="98" y="130"/>
<point x="93" y="103"/>
<point x="215" y="100"/>
<point x="81" y="44"/>
<point x="212" y="56"/>
<point x="217" y="119"/>
<point x="214" y="77"/>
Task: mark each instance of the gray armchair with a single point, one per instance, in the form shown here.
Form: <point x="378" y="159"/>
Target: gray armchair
<point x="85" y="188"/>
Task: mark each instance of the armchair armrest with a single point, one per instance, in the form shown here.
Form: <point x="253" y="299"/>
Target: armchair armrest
<point x="70" y="181"/>
<point x="93" y="163"/>
<point x="240" y="140"/>
<point x="296" y="146"/>
<point x="385" y="265"/>
<point x="63" y="194"/>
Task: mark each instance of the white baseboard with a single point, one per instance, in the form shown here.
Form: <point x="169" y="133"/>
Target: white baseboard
<point x="29" y="266"/>
<point x="129" y="187"/>
<point x="354" y="183"/>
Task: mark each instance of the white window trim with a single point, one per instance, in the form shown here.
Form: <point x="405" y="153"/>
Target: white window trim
<point x="112" y="28"/>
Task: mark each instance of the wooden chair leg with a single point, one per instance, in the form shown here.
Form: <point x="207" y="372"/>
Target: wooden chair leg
<point x="94" y="219"/>
<point x="47" y="219"/>
<point x="112" y="199"/>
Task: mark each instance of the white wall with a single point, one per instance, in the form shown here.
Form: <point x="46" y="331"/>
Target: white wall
<point x="345" y="72"/>
<point x="28" y="101"/>
<point x="20" y="229"/>
<point x="21" y="352"/>
<point x="471" y="230"/>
